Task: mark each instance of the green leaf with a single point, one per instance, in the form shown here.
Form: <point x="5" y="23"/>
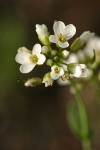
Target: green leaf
<point x="73" y="119"/>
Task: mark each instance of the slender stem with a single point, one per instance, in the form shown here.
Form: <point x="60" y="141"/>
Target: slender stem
<point x="86" y="143"/>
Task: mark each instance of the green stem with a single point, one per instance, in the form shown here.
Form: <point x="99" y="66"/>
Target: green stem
<point x="86" y="144"/>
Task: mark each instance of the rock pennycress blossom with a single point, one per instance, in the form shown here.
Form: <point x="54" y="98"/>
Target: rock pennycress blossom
<point x="63" y="60"/>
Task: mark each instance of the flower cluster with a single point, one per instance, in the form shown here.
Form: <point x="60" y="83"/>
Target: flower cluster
<point x="65" y="61"/>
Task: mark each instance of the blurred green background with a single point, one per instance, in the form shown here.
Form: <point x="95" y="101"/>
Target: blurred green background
<point x="36" y="118"/>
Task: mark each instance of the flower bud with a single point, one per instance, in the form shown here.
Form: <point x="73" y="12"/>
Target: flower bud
<point x="47" y="80"/>
<point x="43" y="34"/>
<point x="80" y="42"/>
<point x="45" y="50"/>
<point x="53" y="52"/>
<point x="49" y="62"/>
<point x="65" y="54"/>
<point x="33" y="82"/>
<point x="56" y="59"/>
<point x="77" y="45"/>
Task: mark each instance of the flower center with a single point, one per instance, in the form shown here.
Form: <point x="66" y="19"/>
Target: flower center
<point x="62" y="38"/>
<point x="56" y="70"/>
<point x="34" y="59"/>
<point x="82" y="70"/>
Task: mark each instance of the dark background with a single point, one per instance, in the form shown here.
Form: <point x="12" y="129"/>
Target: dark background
<point x="36" y="118"/>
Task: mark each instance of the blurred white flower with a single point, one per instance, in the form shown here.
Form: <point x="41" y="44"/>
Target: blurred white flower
<point x="62" y="33"/>
<point x="79" y="70"/>
<point x="93" y="44"/>
<point x="43" y="33"/>
<point x="72" y="58"/>
<point x="47" y="80"/>
<point x="56" y="72"/>
<point x="29" y="59"/>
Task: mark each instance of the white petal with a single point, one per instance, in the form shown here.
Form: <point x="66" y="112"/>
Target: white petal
<point x="77" y="71"/>
<point x="61" y="71"/>
<point x="22" y="57"/>
<point x="64" y="67"/>
<point x="53" y="39"/>
<point x="72" y="59"/>
<point x="70" y="31"/>
<point x="63" y="45"/>
<point x="41" y="59"/>
<point x="58" y="27"/>
<point x="36" y="49"/>
<point x="53" y="67"/>
<point x="24" y="49"/>
<point x="41" y="29"/>
<point x="84" y="70"/>
<point x="26" y="68"/>
<point x="54" y="76"/>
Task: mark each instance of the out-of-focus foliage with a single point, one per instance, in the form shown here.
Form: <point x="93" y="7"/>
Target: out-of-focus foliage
<point x="12" y="34"/>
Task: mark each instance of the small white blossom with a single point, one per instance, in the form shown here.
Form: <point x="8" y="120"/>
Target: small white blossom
<point x="43" y="33"/>
<point x="47" y="80"/>
<point x="80" y="70"/>
<point x="62" y="33"/>
<point x="29" y="59"/>
<point x="56" y="72"/>
<point x="93" y="44"/>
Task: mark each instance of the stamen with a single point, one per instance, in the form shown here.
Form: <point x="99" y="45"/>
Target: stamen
<point x="56" y="70"/>
<point x="34" y="59"/>
<point x="62" y="38"/>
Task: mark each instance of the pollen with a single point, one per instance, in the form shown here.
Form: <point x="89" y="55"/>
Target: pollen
<point x="56" y="70"/>
<point x="34" y="59"/>
<point x="62" y="38"/>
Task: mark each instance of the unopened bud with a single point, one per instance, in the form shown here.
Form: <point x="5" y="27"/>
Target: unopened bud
<point x="49" y="62"/>
<point x="65" y="54"/>
<point x="33" y="82"/>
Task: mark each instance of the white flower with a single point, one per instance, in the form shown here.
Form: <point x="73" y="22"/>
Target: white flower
<point x="29" y="59"/>
<point x="47" y="80"/>
<point x="56" y="72"/>
<point x="93" y="44"/>
<point x="80" y="70"/>
<point x="62" y="33"/>
<point x="43" y="34"/>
